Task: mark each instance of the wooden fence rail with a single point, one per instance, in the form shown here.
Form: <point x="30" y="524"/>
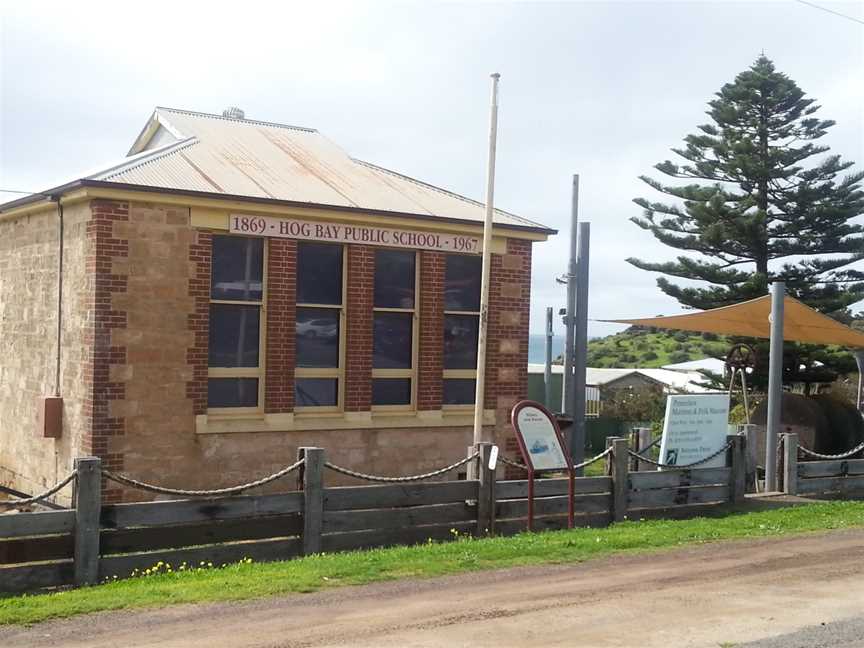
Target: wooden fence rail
<point x="95" y="541"/>
<point x="830" y="477"/>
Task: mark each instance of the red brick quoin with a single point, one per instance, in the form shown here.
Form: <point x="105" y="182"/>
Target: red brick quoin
<point x="103" y="249"/>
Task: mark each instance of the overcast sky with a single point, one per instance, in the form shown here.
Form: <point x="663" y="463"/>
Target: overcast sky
<point x="603" y="89"/>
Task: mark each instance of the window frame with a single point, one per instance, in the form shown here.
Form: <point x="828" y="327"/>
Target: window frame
<point x="470" y="374"/>
<point x="325" y="372"/>
<point x="258" y="372"/>
<point x="411" y="372"/>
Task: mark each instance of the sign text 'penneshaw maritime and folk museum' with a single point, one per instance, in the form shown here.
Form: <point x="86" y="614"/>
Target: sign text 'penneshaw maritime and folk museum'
<point x="235" y="289"/>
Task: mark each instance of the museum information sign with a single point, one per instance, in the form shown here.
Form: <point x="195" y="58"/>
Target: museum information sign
<point x="344" y="233"/>
<point x="695" y="427"/>
<point x="540" y="437"/>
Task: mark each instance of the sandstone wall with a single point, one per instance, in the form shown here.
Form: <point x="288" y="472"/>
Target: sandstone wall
<point x="28" y="321"/>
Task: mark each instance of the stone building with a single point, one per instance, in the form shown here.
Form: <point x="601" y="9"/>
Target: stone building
<point x="235" y="289"/>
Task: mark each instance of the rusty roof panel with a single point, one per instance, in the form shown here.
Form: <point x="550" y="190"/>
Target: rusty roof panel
<point x="258" y="159"/>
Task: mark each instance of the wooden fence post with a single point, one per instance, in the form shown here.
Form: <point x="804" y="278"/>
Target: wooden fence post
<point x="485" y="491"/>
<point x="736" y="459"/>
<point x="634" y="444"/>
<point x="617" y="466"/>
<point x="644" y="441"/>
<point x="749" y="432"/>
<point x="790" y="463"/>
<point x="88" y="506"/>
<point x="313" y="498"/>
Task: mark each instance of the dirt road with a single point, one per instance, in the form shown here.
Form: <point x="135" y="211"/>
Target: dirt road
<point x="711" y="595"/>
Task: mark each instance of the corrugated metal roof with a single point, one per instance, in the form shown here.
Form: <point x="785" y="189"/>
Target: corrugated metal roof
<point x="241" y="157"/>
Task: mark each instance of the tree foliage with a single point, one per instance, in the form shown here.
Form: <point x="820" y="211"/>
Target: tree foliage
<point x="760" y="204"/>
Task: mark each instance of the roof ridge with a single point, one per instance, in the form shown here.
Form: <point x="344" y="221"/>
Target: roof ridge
<point x="145" y="157"/>
<point x="524" y="220"/>
<point x="235" y="119"/>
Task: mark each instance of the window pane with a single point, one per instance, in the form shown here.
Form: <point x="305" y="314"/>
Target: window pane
<point x="460" y="341"/>
<point x="392" y="341"/>
<point x="232" y="392"/>
<point x="459" y="391"/>
<point x="394" y="279"/>
<point x="462" y="282"/>
<point x="316" y="392"/>
<point x="317" y="336"/>
<point x="391" y="391"/>
<point x="319" y="273"/>
<point x="238" y="268"/>
<point x="234" y="334"/>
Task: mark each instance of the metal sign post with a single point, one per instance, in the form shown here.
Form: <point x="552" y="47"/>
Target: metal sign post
<point x="547" y="369"/>
<point x="543" y="449"/>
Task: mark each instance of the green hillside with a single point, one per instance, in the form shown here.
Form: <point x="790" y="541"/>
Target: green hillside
<point x="646" y="347"/>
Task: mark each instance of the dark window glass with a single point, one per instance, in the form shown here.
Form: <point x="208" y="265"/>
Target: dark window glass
<point x="234" y="332"/>
<point x="394" y="279"/>
<point x="232" y="392"/>
<point x="460" y="341"/>
<point x="462" y="282"/>
<point x="317" y="336"/>
<point x="391" y="391"/>
<point x="392" y="341"/>
<point x="238" y="268"/>
<point x="459" y="391"/>
<point x="319" y="273"/>
<point x="315" y="392"/>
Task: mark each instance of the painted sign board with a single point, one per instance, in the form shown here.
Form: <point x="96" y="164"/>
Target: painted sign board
<point x="694" y="428"/>
<point x="540" y="437"/>
<point x="296" y="228"/>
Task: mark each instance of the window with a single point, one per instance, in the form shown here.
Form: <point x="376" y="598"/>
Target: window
<point x="394" y="329"/>
<point x="319" y="331"/>
<point x="235" y="376"/>
<point x="462" y="276"/>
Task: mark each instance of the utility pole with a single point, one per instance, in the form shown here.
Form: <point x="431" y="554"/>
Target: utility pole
<point x="775" y="385"/>
<point x="479" y="394"/>
<point x="580" y="352"/>
<point x="570" y="315"/>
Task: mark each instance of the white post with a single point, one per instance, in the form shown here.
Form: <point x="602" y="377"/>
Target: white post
<point x="775" y="385"/>
<point x="487" y="262"/>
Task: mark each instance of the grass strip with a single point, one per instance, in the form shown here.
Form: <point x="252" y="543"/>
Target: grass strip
<point x="247" y="581"/>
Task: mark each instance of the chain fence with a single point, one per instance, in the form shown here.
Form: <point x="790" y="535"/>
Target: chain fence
<point x="231" y="490"/>
<point x="391" y="480"/>
<point x="587" y="462"/>
<point x="638" y="453"/>
<point x="41" y="496"/>
<point x="660" y="464"/>
<point x="842" y="455"/>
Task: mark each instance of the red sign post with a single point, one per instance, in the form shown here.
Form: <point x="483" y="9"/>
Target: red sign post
<point x="543" y="449"/>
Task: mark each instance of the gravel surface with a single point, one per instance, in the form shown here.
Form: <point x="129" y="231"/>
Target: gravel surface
<point x="777" y="591"/>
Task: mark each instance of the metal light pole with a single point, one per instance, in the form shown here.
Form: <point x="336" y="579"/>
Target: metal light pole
<point x="547" y="369"/>
<point x="580" y="352"/>
<point x="570" y="317"/>
<point x="479" y="394"/>
<point x="775" y="385"/>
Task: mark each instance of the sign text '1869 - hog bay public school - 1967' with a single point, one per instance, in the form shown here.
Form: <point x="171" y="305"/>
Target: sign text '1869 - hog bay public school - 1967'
<point x="358" y="234"/>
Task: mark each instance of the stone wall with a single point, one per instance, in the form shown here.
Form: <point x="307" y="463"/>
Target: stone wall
<point x="28" y="325"/>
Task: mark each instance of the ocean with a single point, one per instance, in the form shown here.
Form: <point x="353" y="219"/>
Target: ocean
<point x="537" y="347"/>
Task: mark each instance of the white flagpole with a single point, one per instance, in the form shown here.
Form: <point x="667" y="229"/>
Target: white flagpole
<point x="487" y="261"/>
